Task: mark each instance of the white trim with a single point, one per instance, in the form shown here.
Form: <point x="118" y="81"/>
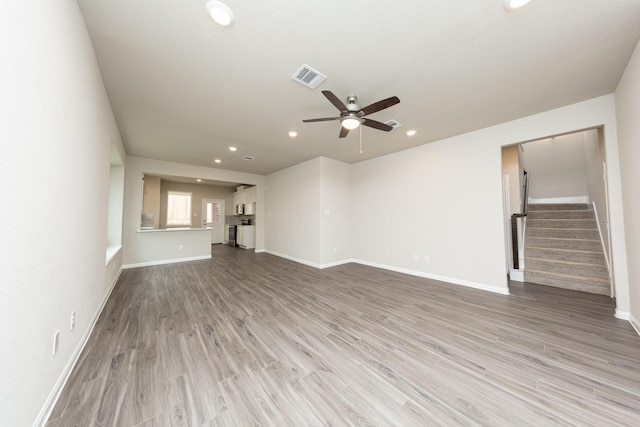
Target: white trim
<point x="51" y="401"/>
<point x="516" y="275"/>
<point x="467" y="283"/>
<point x="622" y="315"/>
<point x="259" y="251"/>
<point x="166" y="261"/>
<point x="309" y="263"/>
<point x="634" y="322"/>
<point x="559" y="200"/>
<point x="112" y="251"/>
<point x="461" y="282"/>
<point x="336" y="263"/>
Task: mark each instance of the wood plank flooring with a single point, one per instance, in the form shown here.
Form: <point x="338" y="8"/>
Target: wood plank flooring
<point x="251" y="339"/>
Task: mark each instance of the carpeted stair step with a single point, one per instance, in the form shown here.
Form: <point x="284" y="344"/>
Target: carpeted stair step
<point x="573" y="255"/>
<point x="565" y="281"/>
<point x="586" y="224"/>
<point x="563" y="233"/>
<point x="555" y="214"/>
<point x="566" y="243"/>
<point x="575" y="269"/>
<point x="558" y="206"/>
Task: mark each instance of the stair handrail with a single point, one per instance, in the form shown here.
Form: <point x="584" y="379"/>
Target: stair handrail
<point x="514" y="222"/>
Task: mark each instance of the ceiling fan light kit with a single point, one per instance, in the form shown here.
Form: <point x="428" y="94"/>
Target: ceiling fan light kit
<point x="514" y="4"/>
<point x="352" y="116"/>
<point x="350" y="123"/>
<point x="220" y="13"/>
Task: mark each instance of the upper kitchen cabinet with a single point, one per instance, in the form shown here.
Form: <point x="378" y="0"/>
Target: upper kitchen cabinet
<point x="246" y="196"/>
<point x="238" y="196"/>
<point x="250" y="195"/>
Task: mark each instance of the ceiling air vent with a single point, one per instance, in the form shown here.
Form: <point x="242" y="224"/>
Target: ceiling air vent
<point x="248" y="158"/>
<point x="308" y="76"/>
<point x="393" y="123"/>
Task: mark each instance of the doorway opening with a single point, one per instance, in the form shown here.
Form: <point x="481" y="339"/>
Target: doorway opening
<point x="564" y="241"/>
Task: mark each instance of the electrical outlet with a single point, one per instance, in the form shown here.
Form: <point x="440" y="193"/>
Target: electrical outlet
<point x="73" y="320"/>
<point x="426" y="258"/>
<point x="180" y="247"/>
<point x="335" y="250"/>
<point x="56" y="342"/>
<point x="416" y="257"/>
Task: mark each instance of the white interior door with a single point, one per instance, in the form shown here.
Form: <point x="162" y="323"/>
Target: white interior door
<point x="213" y="217"/>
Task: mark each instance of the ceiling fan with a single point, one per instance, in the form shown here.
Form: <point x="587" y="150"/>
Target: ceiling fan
<point x="352" y="116"/>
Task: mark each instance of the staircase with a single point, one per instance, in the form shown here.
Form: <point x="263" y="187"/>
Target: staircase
<point x="563" y="249"/>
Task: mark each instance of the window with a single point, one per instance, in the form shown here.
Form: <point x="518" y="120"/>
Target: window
<point x="179" y="208"/>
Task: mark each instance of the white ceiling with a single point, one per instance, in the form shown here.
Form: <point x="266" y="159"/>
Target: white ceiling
<point x="183" y="88"/>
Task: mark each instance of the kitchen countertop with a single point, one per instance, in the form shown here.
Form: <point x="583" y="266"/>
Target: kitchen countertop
<point x="163" y="230"/>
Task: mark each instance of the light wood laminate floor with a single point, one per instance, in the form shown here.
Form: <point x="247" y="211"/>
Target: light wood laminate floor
<point x="252" y="339"/>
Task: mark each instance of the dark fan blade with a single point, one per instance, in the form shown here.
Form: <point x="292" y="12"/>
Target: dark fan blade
<point x="380" y="105"/>
<point x="324" y="119"/>
<point x="376" y="125"/>
<point x="334" y="100"/>
<point x="343" y="132"/>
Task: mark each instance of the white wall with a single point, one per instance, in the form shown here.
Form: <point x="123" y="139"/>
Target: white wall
<point x="56" y="129"/>
<point x="628" y="109"/>
<point x="557" y="167"/>
<point x="335" y="204"/>
<point x="294" y="212"/>
<point x="442" y="200"/>
<point x="163" y="246"/>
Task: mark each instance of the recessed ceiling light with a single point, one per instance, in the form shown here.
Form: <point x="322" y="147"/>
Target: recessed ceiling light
<point x="220" y="13"/>
<point x="293" y="133"/>
<point x="199" y="180"/>
<point x="232" y="148"/>
<point x="218" y="161"/>
<point x="514" y="4"/>
<point x="411" y="132"/>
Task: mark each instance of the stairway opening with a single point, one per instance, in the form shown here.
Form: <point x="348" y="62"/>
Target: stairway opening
<point x="564" y="240"/>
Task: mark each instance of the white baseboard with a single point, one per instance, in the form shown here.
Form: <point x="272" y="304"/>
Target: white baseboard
<point x="634" y="322"/>
<point x="166" y="261"/>
<point x="51" y="401"/>
<point x="291" y="258"/>
<point x="516" y="275"/>
<point x="309" y="263"/>
<point x="559" y="200"/>
<point x="622" y="315"/>
<point x="336" y="263"/>
<point x="467" y="283"/>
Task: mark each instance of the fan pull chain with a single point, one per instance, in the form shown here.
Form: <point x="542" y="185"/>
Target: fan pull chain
<point x="360" y="139"/>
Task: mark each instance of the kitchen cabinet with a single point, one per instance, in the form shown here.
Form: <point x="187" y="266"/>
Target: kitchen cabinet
<point x="246" y="196"/>
<point x="238" y="199"/>
<point x="246" y="236"/>
<point x="250" y="195"/>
